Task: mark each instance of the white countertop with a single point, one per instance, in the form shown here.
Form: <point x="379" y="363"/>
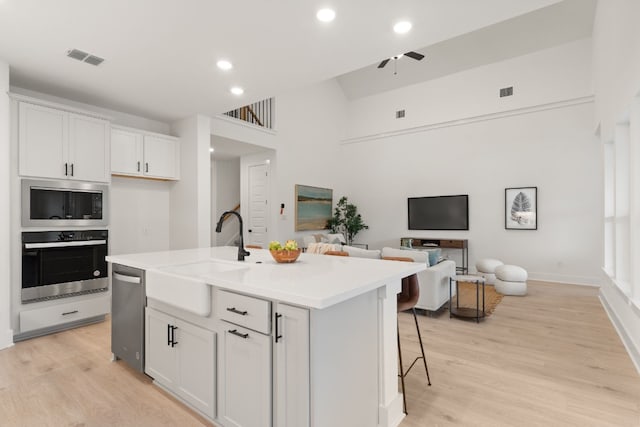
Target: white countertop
<point x="313" y="281"/>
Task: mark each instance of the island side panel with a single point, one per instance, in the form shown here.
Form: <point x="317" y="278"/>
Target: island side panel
<point x="344" y="361"/>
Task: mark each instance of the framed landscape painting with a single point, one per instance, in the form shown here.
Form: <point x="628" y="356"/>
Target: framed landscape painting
<point x="313" y="207"/>
<point x="521" y="208"/>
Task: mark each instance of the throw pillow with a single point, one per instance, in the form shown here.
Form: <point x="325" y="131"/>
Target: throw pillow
<point x="362" y="253"/>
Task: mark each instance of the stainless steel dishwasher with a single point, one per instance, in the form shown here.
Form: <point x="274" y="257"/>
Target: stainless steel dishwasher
<point x="127" y="315"/>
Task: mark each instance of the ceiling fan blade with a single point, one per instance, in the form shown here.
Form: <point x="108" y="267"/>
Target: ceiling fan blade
<point x="383" y="63"/>
<point x="415" y="55"/>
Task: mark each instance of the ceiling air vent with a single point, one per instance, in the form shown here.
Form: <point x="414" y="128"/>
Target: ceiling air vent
<point x="77" y="54"/>
<point x="84" y="57"/>
<point x="399" y="114"/>
<point x="506" y="91"/>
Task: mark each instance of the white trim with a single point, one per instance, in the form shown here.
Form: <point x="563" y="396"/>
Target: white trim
<point x="63" y="107"/>
<point x="473" y="119"/>
<point x="566" y="279"/>
<point x="7" y="340"/>
<point x="245" y="124"/>
<point x="145" y="132"/>
<point x="634" y="355"/>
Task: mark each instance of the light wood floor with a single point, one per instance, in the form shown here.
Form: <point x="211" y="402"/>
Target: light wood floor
<point x="549" y="359"/>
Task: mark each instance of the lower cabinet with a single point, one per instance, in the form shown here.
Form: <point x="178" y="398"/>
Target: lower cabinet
<point x="291" y="366"/>
<point x="244" y="388"/>
<point x="181" y="357"/>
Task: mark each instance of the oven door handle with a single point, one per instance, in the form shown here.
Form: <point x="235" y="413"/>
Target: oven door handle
<point x="64" y="244"/>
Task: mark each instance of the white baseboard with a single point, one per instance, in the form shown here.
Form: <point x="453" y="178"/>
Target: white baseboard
<point x="568" y="279"/>
<point x="633" y="352"/>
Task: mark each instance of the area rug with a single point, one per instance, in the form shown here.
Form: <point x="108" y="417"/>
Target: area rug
<point x="467" y="295"/>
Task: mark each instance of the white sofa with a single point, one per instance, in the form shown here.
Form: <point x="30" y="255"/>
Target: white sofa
<point x="434" y="281"/>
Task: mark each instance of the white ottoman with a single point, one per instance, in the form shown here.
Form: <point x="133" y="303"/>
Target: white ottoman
<point x="487" y="269"/>
<point x="511" y="280"/>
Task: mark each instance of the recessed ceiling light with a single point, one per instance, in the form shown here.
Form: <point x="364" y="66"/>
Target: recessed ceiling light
<point x="225" y="65"/>
<point x="236" y="90"/>
<point x="326" y="15"/>
<point x="402" y="27"/>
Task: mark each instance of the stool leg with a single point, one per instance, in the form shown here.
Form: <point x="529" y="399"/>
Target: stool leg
<point x="424" y="358"/>
<point x="404" y="394"/>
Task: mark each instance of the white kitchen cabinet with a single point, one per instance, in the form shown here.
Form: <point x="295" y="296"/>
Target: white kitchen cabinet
<point x="244" y="388"/>
<point x="291" y="366"/>
<point x="54" y="143"/>
<point x="141" y="154"/>
<point x="181" y="357"/>
<point x="126" y="152"/>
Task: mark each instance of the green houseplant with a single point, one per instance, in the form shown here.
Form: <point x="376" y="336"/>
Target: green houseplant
<point x="346" y="220"/>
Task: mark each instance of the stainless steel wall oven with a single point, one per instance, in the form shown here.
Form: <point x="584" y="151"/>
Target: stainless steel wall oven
<point x="58" y="264"/>
<point x="64" y="203"/>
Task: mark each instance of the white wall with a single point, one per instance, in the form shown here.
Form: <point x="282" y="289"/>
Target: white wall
<point x="547" y="76"/>
<point x="6" y="334"/>
<point x="541" y="137"/>
<point x="190" y="216"/>
<point x="225" y="185"/>
<point x="616" y="56"/>
<point x="554" y="150"/>
<point x="310" y="125"/>
<point x="139" y="219"/>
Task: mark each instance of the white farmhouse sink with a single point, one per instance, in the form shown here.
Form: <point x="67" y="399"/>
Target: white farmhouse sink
<point x="185" y="285"/>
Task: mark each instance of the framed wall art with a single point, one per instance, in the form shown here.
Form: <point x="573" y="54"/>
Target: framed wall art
<point x="521" y="208"/>
<point x="313" y="207"/>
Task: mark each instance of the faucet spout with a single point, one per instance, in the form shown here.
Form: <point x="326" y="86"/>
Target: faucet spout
<point x="242" y="252"/>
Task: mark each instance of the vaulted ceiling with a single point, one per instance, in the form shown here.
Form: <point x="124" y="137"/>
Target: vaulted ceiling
<point x="160" y="55"/>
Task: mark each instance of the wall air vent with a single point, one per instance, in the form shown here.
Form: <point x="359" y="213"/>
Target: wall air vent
<point x="506" y="91"/>
<point x="84" y="57"/>
<point x="399" y="114"/>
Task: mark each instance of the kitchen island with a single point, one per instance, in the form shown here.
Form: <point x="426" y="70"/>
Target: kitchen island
<point x="256" y="343"/>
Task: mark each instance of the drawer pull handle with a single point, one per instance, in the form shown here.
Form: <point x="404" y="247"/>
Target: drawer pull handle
<point x="69" y="312"/>
<point x="173" y="336"/>
<point x="238" y="334"/>
<point x="236" y="311"/>
<point x="278" y="336"/>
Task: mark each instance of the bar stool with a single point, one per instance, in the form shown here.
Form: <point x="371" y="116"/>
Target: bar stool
<point x="407" y="299"/>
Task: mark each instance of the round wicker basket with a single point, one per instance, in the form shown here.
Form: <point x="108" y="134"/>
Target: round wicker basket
<point x="285" y="256"/>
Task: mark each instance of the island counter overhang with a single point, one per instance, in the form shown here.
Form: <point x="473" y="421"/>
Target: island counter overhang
<point x="329" y="287"/>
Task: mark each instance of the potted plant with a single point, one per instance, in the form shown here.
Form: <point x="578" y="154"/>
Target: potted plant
<point x="346" y="220"/>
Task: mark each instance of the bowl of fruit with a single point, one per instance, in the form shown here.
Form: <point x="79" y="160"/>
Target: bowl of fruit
<point x="285" y="254"/>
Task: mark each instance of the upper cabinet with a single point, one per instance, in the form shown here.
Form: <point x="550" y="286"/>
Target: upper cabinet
<point x="59" y="144"/>
<point x="142" y="154"/>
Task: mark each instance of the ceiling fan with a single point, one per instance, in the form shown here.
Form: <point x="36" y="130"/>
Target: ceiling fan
<point x="414" y="55"/>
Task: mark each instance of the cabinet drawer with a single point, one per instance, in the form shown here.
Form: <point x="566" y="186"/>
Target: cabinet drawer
<point x="58" y="314"/>
<point x="252" y="313"/>
<point x="451" y="243"/>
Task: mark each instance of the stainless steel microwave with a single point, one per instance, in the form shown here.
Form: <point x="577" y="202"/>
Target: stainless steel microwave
<point x="64" y="203"/>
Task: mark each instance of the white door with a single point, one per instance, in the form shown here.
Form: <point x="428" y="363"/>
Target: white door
<point x="126" y="152"/>
<point x="160" y="157"/>
<point x="258" y="205"/>
<point x="196" y="366"/>
<point x="88" y="148"/>
<point x="291" y="371"/>
<point x="43" y="136"/>
<point x="160" y="356"/>
<point x="244" y="397"/>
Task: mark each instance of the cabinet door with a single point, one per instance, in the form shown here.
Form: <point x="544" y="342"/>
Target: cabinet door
<point x="160" y="357"/>
<point x="196" y="366"/>
<point x="42" y="135"/>
<point x="244" y="394"/>
<point x="161" y="157"/>
<point x="88" y="148"/>
<point x="126" y="152"/>
<point x="291" y="366"/>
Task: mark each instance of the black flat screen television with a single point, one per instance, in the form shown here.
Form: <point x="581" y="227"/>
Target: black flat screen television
<point x="439" y="213"/>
